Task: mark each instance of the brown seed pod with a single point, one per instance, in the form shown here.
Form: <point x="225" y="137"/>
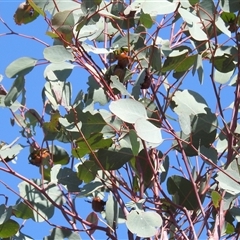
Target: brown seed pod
<point x="120" y="72"/>
<point x="24" y="13"/>
<point x="123" y="60"/>
<point x="98" y="204"/>
<point x="37" y="156"/>
<point x="147" y="80"/>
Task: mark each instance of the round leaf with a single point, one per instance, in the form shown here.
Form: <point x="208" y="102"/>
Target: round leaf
<point x="147" y="131"/>
<point x="57" y="54"/>
<point x="146" y="20"/>
<point x="143" y="224"/>
<point x="8" y="229"/>
<point x="20" y="66"/>
<point x="128" y="110"/>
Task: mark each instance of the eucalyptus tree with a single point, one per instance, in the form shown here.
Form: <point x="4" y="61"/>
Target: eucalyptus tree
<point x="143" y="142"/>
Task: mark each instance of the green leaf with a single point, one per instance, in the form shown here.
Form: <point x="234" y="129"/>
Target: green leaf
<point x="223" y="63"/>
<point x="187" y="63"/>
<point x="87" y="171"/>
<point x="225" y="182"/>
<point x="143" y="224"/>
<point x="228" y="17"/>
<point x="58" y="71"/>
<point x="123" y="23"/>
<point x="89" y="188"/>
<point x="52" y="34"/>
<point x="21" y="210"/>
<point x="97" y="2"/>
<point x="67" y="177"/>
<point x="211" y="153"/>
<point x="63" y="18"/>
<point x="61" y="233"/>
<point x="193" y="2"/>
<point x="235" y="212"/>
<point x="95" y="92"/>
<point x="33" y="195"/>
<point x="83" y="21"/>
<point x="25" y="14"/>
<point x="57" y="54"/>
<point x="136" y="90"/>
<point x="36" y="8"/>
<point x="221" y="77"/>
<point x="172" y="62"/>
<point x="59" y="155"/>
<point x="70" y="127"/>
<point x="5" y="213"/>
<point x="156" y="7"/>
<point x="115" y="83"/>
<point x="20" y="67"/>
<point x="199" y="68"/>
<point x="112" y="211"/>
<point x="148" y="132"/>
<point x="195" y="29"/>
<point x="9" y="228"/>
<point x="91" y="123"/>
<point x="230" y="5"/>
<point x="189" y="102"/>
<point x="113" y="124"/>
<point x="15" y="91"/>
<point x="10" y="151"/>
<point x="184" y="122"/>
<point x="94" y="142"/>
<point x="113" y="160"/>
<point x="89" y="6"/>
<point x="92" y="218"/>
<point x="216" y="199"/>
<point x="206" y="10"/>
<point x="53" y="126"/>
<point x="33" y="118"/>
<point x="143" y="167"/>
<point x="134" y="142"/>
<point x="164" y="168"/>
<point x="230" y="229"/>
<point x="203" y="133"/>
<point x="127" y="40"/>
<point x="44" y="209"/>
<point x="155" y="58"/>
<point x="128" y="110"/>
<point x="97" y="50"/>
<point x="183" y="192"/>
<point x="146" y="20"/>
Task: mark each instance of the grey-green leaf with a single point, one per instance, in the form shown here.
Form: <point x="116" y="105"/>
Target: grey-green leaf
<point x="143" y="224"/>
<point x="147" y="131"/>
<point x="57" y="54"/>
<point x="58" y="71"/>
<point x="189" y="102"/>
<point x="15" y="91"/>
<point x="227" y="183"/>
<point x="112" y="210"/>
<point x="115" y="83"/>
<point x="128" y="110"/>
<point x="5" y="213"/>
<point x="20" y="67"/>
<point x="61" y="233"/>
